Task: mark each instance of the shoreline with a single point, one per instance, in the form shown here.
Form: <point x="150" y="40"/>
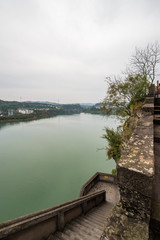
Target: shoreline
<point x="39" y="117"/>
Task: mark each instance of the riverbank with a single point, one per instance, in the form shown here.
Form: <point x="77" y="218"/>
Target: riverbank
<point x="25" y="118"/>
<point x="26" y="111"/>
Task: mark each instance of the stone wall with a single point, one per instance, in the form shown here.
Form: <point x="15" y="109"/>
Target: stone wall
<point x="135" y="172"/>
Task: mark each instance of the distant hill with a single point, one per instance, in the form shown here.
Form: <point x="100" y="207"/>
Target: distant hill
<point x="32" y="110"/>
<point x="26" y="103"/>
<point x="22" y="111"/>
<point x="87" y="105"/>
<point x="43" y="102"/>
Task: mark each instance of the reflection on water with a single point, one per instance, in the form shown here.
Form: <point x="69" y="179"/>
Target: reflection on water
<point x="3" y="125"/>
<point x="45" y="162"/>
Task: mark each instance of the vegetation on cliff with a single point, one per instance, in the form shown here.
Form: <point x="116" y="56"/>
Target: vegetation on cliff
<point x="127" y="94"/>
<point x="124" y="94"/>
<point x="114" y="140"/>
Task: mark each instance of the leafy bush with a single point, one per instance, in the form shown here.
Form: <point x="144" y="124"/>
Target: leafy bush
<point x="114" y="171"/>
<point x="114" y="141"/>
<point x="123" y="94"/>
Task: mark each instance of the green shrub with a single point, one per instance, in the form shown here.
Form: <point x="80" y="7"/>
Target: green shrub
<point x="124" y="94"/>
<point x="114" y="141"/>
<point x="114" y="171"/>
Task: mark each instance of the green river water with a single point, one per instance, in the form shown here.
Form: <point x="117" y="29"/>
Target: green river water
<point x="45" y="162"/>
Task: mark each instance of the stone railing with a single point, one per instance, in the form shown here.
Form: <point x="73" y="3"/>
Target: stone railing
<point x="41" y="224"/>
<point x="103" y="177"/>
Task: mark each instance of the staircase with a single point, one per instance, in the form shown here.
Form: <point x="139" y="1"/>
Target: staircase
<point x="155" y="218"/>
<point x="157" y="120"/>
<point x="80" y="219"/>
<point x="157" y="112"/>
<point x="86" y="227"/>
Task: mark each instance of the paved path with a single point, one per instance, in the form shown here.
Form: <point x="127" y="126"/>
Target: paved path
<point x="112" y="192"/>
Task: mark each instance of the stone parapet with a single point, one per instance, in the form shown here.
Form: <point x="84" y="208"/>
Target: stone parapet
<point x="135" y="172"/>
<point x="136" y="169"/>
<point x="138" y="155"/>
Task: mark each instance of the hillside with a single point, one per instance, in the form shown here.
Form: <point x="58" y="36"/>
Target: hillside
<point x="17" y="111"/>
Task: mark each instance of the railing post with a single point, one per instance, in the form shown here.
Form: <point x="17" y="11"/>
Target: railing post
<point x="60" y="221"/>
<point x="97" y="201"/>
<point x="84" y="207"/>
<point x="105" y="197"/>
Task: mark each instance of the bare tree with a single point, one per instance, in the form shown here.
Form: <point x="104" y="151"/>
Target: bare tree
<point x="144" y="61"/>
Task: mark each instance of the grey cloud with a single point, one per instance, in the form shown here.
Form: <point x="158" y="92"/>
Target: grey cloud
<point x="67" y="46"/>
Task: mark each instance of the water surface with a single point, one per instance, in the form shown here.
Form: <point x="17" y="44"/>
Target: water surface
<point x="45" y="162"/>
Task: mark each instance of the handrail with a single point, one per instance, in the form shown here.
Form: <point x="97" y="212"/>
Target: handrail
<point x="31" y="215"/>
<point x="58" y="216"/>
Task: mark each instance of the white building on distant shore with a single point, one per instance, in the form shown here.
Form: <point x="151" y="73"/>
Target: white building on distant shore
<point x="25" y="111"/>
<point x="10" y="112"/>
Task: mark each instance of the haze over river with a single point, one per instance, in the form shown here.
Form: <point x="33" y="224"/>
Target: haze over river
<point x="46" y="162"/>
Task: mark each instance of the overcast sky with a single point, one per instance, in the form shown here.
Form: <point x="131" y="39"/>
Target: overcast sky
<point x="62" y="50"/>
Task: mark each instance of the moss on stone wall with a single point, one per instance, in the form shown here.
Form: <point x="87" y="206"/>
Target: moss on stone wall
<point x="131" y="123"/>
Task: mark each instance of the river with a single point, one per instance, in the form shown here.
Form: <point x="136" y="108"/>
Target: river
<point x="45" y="162"/>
